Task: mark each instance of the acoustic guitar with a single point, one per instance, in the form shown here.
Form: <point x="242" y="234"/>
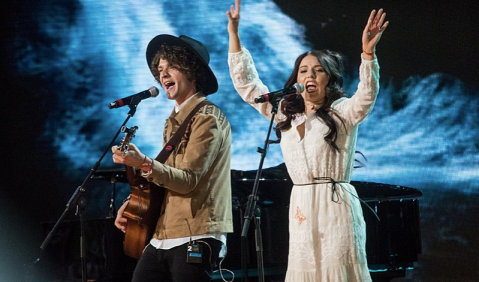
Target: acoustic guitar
<point x="144" y="207"/>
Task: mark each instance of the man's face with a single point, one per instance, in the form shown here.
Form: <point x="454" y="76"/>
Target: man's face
<point x="175" y="83"/>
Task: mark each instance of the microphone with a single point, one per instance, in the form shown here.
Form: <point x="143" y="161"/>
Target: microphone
<point x="296" y="88"/>
<point x="152" y="92"/>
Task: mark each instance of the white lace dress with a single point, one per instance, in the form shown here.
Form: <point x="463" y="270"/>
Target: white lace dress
<point x="327" y="230"/>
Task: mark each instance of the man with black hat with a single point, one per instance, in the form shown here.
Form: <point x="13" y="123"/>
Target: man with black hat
<point x="196" y="176"/>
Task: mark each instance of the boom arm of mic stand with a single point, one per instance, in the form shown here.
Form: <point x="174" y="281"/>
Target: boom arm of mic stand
<point x="77" y="198"/>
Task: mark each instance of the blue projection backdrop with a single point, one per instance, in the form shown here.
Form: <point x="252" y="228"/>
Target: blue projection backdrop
<point x="98" y="57"/>
<point x="111" y="41"/>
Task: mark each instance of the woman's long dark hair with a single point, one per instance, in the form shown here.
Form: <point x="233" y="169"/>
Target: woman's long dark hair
<point x="332" y="64"/>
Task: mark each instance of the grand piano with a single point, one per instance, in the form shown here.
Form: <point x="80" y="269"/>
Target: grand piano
<point x="392" y="247"/>
<point x="393" y="242"/>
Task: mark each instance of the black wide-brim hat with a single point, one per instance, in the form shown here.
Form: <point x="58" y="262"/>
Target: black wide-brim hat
<point x="209" y="82"/>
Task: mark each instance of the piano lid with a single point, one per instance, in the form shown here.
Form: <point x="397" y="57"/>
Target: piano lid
<point x="110" y="174"/>
<point x="275" y="184"/>
<point x="371" y="191"/>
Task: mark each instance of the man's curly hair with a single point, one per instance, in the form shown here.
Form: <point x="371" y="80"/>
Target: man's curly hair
<point x="183" y="60"/>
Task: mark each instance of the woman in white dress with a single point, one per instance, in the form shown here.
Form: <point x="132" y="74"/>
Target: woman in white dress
<point x="318" y="140"/>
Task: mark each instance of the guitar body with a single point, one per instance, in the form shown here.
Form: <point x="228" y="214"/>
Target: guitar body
<point x="142" y="213"/>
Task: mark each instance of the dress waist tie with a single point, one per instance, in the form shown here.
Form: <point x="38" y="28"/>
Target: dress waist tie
<point x="334" y="191"/>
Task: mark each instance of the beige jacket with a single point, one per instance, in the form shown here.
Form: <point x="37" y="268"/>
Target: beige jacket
<point x="197" y="175"/>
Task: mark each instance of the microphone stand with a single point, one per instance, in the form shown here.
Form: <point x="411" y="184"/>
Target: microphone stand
<point x="78" y="199"/>
<point x="253" y="210"/>
<point x="112" y="212"/>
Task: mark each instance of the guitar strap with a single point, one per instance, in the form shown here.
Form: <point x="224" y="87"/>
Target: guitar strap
<point x="174" y="140"/>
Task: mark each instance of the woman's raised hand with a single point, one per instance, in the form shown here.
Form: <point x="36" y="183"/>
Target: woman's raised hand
<point x="234" y="17"/>
<point x="233" y="23"/>
<point x="373" y="31"/>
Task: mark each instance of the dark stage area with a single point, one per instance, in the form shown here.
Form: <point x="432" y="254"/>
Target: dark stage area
<point x="64" y="61"/>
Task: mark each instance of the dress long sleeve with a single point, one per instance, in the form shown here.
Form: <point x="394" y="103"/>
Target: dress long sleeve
<point x="358" y="107"/>
<point x="247" y="82"/>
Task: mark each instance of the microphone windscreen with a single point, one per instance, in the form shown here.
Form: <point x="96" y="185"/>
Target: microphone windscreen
<point x="299" y="87"/>
<point x="154" y="91"/>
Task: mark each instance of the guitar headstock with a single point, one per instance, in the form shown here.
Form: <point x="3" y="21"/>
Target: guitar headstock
<point x="129" y="134"/>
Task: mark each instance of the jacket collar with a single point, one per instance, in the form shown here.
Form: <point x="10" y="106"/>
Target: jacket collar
<point x="185" y="111"/>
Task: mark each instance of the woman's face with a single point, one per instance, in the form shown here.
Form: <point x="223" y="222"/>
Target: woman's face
<point x="312" y="75"/>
